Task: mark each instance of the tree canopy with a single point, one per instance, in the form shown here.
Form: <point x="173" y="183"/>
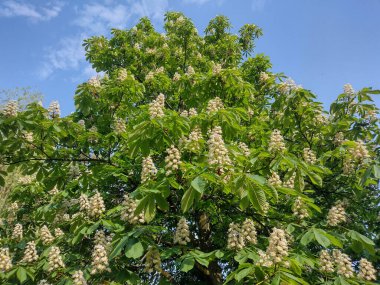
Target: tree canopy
<point x="187" y="161"/>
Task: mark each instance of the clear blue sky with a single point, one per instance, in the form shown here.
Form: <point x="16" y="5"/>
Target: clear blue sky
<point x="321" y="44"/>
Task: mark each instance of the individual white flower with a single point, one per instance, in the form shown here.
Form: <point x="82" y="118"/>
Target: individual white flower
<point x="184" y="113"/>
<point x="276" y="142"/>
<point x="172" y="160"/>
<point x="54" y="110"/>
<point x="290" y="182"/>
<point x="344" y="265"/>
<point x="58" y="232"/>
<point x="309" y="156"/>
<point x="28" y="136"/>
<point x="235" y="238"/>
<point x="46" y="235"/>
<point x="320" y="118"/>
<point x="248" y="231"/>
<point x="128" y="211"/>
<point x="156" y="108"/>
<point x="102" y="239"/>
<point x="336" y="215"/>
<point x="263" y="76"/>
<point x="244" y="149"/>
<point x="55" y="259"/>
<point x="192" y="143"/>
<point x="348" y="90"/>
<point x="176" y="76"/>
<point x="299" y="209"/>
<point x="30" y="253"/>
<point x="66" y="217"/>
<point x="149" y="170"/>
<point x="122" y="74"/>
<point x="17" y="232"/>
<point x="366" y="270"/>
<point x="161" y="69"/>
<point x="325" y="262"/>
<point x="94" y="82"/>
<point x="288" y="86"/>
<point x="214" y="105"/>
<point x="119" y="126"/>
<point x="151" y="50"/>
<point x="5" y="260"/>
<point x="100" y="261"/>
<point x="97" y="206"/>
<point x="78" y="278"/>
<point x="182" y="233"/>
<point x="218" y="153"/>
<point x="190" y="71"/>
<point x="149" y="76"/>
<point x="275" y="180"/>
<point x="82" y="123"/>
<point x="152" y="260"/>
<point x="216" y="68"/>
<point x="192" y="112"/>
<point x="54" y="191"/>
<point x="11" y="109"/>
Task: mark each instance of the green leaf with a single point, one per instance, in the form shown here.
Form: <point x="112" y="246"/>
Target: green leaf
<point x="244" y="272"/>
<point x="118" y="248"/>
<point x="321" y="237"/>
<point x="134" y="249"/>
<point x="187" y="263"/>
<point x="199" y="184"/>
<point x="189" y="198"/>
<point x="307" y="237"/>
<point x="21" y="275"/>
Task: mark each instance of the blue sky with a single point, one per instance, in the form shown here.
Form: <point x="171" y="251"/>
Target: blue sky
<point x="321" y="44"/>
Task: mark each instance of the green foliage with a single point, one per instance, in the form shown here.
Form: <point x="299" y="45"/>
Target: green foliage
<point x="115" y="145"/>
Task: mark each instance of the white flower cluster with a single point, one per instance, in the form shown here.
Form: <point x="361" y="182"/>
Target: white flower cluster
<point x="218" y="153"/>
<point x="104" y="240"/>
<point x="336" y="215"/>
<point x="149" y="170"/>
<point x="46" y="235"/>
<point x="192" y="143"/>
<point x="172" y="160"/>
<point x="277" y="249"/>
<point x="122" y="74"/>
<point x="338" y="138"/>
<point x="156" y="108"/>
<point x="244" y="149"/>
<point x="299" y="209"/>
<point x="58" y="233"/>
<point x="151" y="74"/>
<point x="348" y="90"/>
<point x="182" y="233"/>
<point x="263" y="76"/>
<point x="359" y="152"/>
<point x="100" y="261"/>
<point x="216" y="68"/>
<point x="119" y="126"/>
<point x="54" y="191"/>
<point x="17" y="232"/>
<point x="248" y="231"/>
<point x="366" y="270"/>
<point x="290" y="182"/>
<point x="94" y="82"/>
<point x="28" y="136"/>
<point x="191" y="113"/>
<point x="276" y="142"/>
<point x="288" y="86"/>
<point x="97" y="206"/>
<point x="55" y="259"/>
<point x="151" y="50"/>
<point x="11" y="109"/>
<point x="343" y="264"/>
<point x="190" y="71"/>
<point x="320" y="118"/>
<point x="128" y="211"/>
<point x="348" y="166"/>
<point x="152" y="260"/>
<point x="325" y="261"/>
<point x="5" y="260"/>
<point x="214" y="105"/>
<point x="54" y="110"/>
<point x="204" y="222"/>
<point x="275" y="180"/>
<point x="78" y="278"/>
<point x="84" y="204"/>
<point x="235" y="238"/>
<point x="43" y="282"/>
<point x="309" y="156"/>
<point x="30" y="253"/>
<point x="176" y="76"/>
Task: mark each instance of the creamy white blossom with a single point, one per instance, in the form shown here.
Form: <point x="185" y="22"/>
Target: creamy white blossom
<point x="128" y="211"/>
<point x="218" y="153"/>
<point x="172" y="160"/>
<point x="100" y="261"/>
<point x="78" y="278"/>
<point x="182" y="233"/>
<point x="276" y="142"/>
<point x="156" y="108"/>
<point x="152" y="260"/>
<point x="30" y="253"/>
<point x="11" y="109"/>
<point x="366" y="270"/>
<point x="96" y="205"/>
<point x="214" y="105"/>
<point x="149" y="170"/>
<point x="336" y="215"/>
<point x="54" y="109"/>
<point x="325" y="261"/>
<point x="235" y="238"/>
<point x="55" y="260"/>
<point x="5" y="260"/>
<point x="46" y="235"/>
